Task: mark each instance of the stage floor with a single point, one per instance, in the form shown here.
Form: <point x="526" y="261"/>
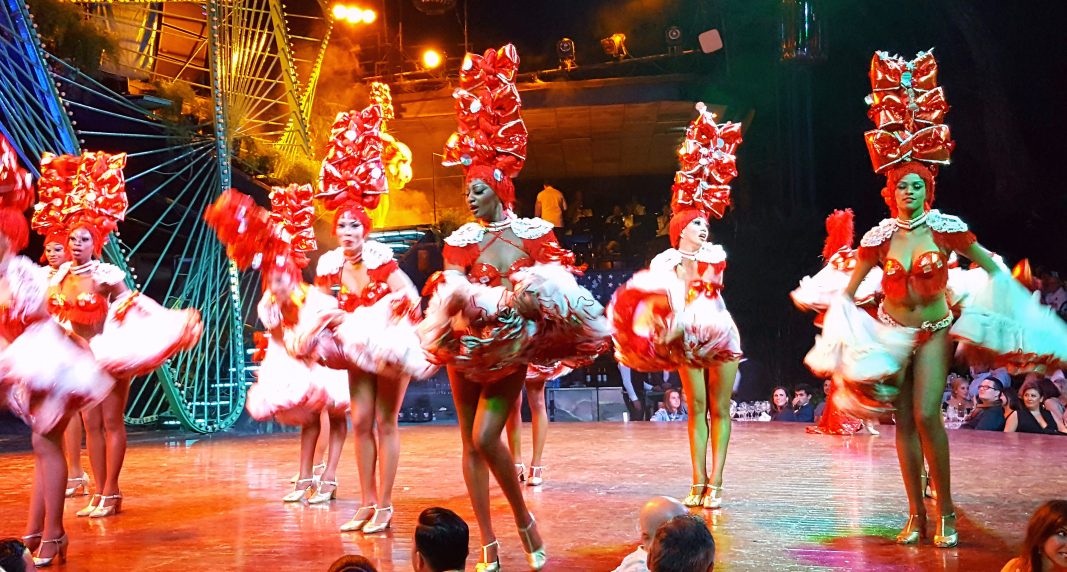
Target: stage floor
<point x="793" y="501"/>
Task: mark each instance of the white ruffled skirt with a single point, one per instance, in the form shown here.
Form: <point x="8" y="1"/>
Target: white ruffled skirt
<point x="294" y="391"/>
<point x="139" y="335"/>
<point x="382" y="339"/>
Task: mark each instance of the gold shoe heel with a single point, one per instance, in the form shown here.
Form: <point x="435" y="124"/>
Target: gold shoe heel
<point x="695" y="497"/>
<point x="713" y="499"/>
<point x="943" y="540"/>
<point x="914" y="530"/>
<point x="357" y="523"/>
<point x="93" y="502"/>
<point x="59" y="557"/>
<point x="374" y="527"/>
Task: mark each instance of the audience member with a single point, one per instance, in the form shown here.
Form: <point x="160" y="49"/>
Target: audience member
<point x="1051" y="397"/>
<point x="656" y="511"/>
<point x="352" y="563"/>
<point x="1052" y="292"/>
<point x="1061" y="384"/>
<point x="803" y="411"/>
<point x="672" y="408"/>
<point x="988" y="414"/>
<point x="15" y="557"/>
<point x="959" y="402"/>
<point x="682" y="544"/>
<point x="979" y="374"/>
<point x="551" y="206"/>
<point x="780" y="409"/>
<point x="441" y="542"/>
<point x="821" y="406"/>
<point x="1045" y="546"/>
<point x="1030" y="416"/>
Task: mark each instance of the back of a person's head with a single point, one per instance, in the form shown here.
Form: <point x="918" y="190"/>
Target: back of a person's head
<point x="442" y="539"/>
<point x="352" y="563"/>
<point x="682" y="544"/>
<point x="1047" y="389"/>
<point x="1049" y="518"/>
<point x="12" y="555"/>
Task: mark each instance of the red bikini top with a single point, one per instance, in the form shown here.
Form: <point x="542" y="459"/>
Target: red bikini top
<point x="539" y="245"/>
<point x="928" y="275"/>
<point x="379" y="262"/>
<point x="86" y="307"/>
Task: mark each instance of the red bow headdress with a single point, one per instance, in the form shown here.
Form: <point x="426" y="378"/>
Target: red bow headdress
<point x="293" y="213"/>
<point x="255" y="237"/>
<point x="352" y="172"/>
<point x="490" y="138"/>
<point x="16" y="195"/>
<point x="908" y="109"/>
<point x="381" y="95"/>
<point x="708" y="164"/>
<point x="87" y="190"/>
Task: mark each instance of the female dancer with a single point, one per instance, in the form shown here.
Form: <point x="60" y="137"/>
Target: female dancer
<point x="504" y="300"/>
<point x="381" y="306"/>
<point x="672" y="316"/>
<point x="129" y="333"/>
<point x="816" y="292"/>
<point x="55" y="254"/>
<point x="45" y="378"/>
<point x="914" y="318"/>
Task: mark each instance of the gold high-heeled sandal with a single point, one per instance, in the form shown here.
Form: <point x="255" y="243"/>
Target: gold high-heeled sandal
<point x="374" y="527"/>
<point x="298" y="493"/>
<point x="103" y="510"/>
<point x="537" y="558"/>
<point x="914" y="529"/>
<point x="93" y="502"/>
<point x="358" y="523"/>
<point x="60" y="555"/>
<point x="537" y="476"/>
<point x="942" y="540"/>
<point x="713" y="498"/>
<point x="320" y="496"/>
<point x="694" y="498"/>
<point x="80" y="488"/>
<point x="485" y="565"/>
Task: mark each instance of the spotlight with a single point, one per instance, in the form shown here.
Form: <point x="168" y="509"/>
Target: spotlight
<point x="431" y="59"/>
<point x="369" y="16"/>
<point x="565" y="51"/>
<point x="615" y="46"/>
<point x="673" y="35"/>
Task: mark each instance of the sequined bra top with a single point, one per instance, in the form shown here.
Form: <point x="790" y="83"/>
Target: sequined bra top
<point x="538" y="244"/>
<point x="87" y="307"/>
<point x="379" y="262"/>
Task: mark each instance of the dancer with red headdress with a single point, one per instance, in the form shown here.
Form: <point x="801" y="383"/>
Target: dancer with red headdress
<point x="672" y="316"/>
<point x="910" y="342"/>
<point x="292" y="385"/>
<point x="45" y="377"/>
<point x="815" y="294"/>
<point x="129" y="333"/>
<point x="381" y="305"/>
<point x="507" y="304"/>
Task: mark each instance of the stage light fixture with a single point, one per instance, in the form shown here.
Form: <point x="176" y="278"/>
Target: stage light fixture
<point x="432" y="59"/>
<point x="369" y="16"/>
<point x="673" y="36"/>
<point x="565" y="51"/>
<point x="353" y="14"/>
<point x="615" y="46"/>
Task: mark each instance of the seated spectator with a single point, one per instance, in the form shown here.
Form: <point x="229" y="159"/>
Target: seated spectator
<point x="780" y="409"/>
<point x="1051" y="397"/>
<point x="656" y="511"/>
<point x="1030" y="416"/>
<point x="988" y="415"/>
<point x="959" y="400"/>
<point x="15" y="557"/>
<point x="441" y="542"/>
<point x="1000" y="374"/>
<point x="1061" y="384"/>
<point x="1045" y="546"/>
<point x="352" y="563"/>
<point x="682" y="544"/>
<point x="821" y="406"/>
<point x="672" y="408"/>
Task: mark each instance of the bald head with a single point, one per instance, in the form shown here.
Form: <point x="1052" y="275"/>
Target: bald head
<point x="657" y="511"/>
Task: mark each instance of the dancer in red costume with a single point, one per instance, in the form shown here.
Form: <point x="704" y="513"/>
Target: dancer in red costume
<point x="910" y="343"/>
<point x="507" y="299"/>
<point x="381" y="308"/>
<point x="816" y="292"/>
<point x="292" y="386"/>
<point x="45" y="377"/>
<point x="129" y="333"/>
<point x="672" y="316"/>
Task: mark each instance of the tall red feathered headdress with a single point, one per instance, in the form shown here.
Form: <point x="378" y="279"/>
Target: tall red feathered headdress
<point x="16" y="195"/>
<point x="89" y="190"/>
<point x="352" y="173"/>
<point x="293" y="213"/>
<point x="908" y="109"/>
<point x="490" y="138"/>
<point x="708" y="164"/>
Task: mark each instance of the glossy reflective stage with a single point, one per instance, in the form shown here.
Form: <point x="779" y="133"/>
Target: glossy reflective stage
<point x="793" y="501"/>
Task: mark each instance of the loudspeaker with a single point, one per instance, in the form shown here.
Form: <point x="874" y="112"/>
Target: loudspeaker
<point x="710" y="41"/>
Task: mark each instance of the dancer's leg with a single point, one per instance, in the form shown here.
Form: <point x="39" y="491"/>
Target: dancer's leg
<point x="535" y="394"/>
<point x="466" y="395"/>
<point x="309" y="436"/>
<point x="363" y="388"/>
<point x="113" y="409"/>
<point x="48" y="453"/>
<point x="514" y="430"/>
<point x="909" y="451"/>
<point x="72" y="441"/>
<point x="337" y="425"/>
<point x="696" y="400"/>
<point x="720" y="387"/>
<point x="930" y="372"/>
<point x="387" y="410"/>
<point x="96" y="443"/>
